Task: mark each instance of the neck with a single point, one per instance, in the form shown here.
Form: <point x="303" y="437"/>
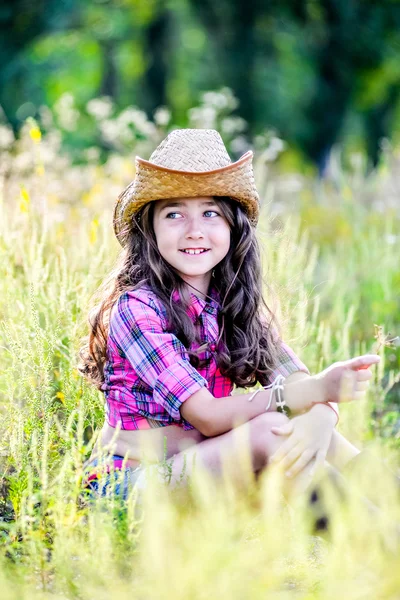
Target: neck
<point x="199" y="287"/>
<point x="204" y="295"/>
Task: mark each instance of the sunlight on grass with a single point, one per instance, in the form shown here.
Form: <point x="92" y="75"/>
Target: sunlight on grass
<point x="208" y="540"/>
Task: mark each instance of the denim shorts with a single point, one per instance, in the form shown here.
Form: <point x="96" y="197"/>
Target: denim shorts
<point x="100" y="480"/>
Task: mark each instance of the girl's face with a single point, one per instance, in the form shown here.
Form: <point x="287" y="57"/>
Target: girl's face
<point x="191" y="223"/>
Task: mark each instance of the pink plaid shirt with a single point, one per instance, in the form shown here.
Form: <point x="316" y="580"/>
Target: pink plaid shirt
<point x="148" y="374"/>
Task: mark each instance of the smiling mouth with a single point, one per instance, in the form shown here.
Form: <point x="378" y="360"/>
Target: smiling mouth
<point x="192" y="253"/>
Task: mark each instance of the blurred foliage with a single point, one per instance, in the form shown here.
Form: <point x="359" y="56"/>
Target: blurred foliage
<point x="319" y="72"/>
<point x="331" y="245"/>
<point x="330" y="254"/>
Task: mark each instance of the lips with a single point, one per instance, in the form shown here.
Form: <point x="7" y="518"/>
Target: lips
<point x="203" y="251"/>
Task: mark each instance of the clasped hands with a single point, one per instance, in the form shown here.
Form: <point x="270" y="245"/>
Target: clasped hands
<point x="309" y="434"/>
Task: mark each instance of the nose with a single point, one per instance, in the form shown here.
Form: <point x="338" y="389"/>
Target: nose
<point x="194" y="229"/>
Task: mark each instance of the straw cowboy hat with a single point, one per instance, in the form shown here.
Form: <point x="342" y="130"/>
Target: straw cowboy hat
<point x="188" y="163"/>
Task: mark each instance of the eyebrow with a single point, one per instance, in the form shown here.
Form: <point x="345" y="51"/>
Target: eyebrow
<point x="176" y="204"/>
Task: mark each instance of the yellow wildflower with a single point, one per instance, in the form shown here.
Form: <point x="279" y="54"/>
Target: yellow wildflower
<point x="35" y="133"/>
<point x="25" y="200"/>
<point x="94" y="225"/>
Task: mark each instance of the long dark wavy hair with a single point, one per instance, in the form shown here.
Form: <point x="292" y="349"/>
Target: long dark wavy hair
<point x="247" y="343"/>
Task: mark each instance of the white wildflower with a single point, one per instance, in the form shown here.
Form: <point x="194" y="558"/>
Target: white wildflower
<point x="162" y="116"/>
<point x="290" y="184"/>
<point x="67" y="115"/>
<point x="109" y="130"/>
<point x="92" y="154"/>
<point x="357" y="161"/>
<point x="148" y="129"/>
<point x="115" y="164"/>
<point x="204" y="117"/>
<point x="126" y="135"/>
<point x="215" y="99"/>
<point x="132" y="116"/>
<point x="46" y="116"/>
<point x="6" y="137"/>
<point x="222" y="100"/>
<point x="232" y="125"/>
<point x="194" y="115"/>
<point x="23" y="162"/>
<point x="379" y="205"/>
<point x="231" y="102"/>
<point x="47" y="154"/>
<point x="100" y="108"/>
<point x="392" y="239"/>
<point x="137" y="119"/>
<point x="276" y="146"/>
<point x="240" y="144"/>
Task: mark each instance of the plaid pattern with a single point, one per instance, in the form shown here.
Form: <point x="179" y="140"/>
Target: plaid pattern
<point x="148" y="374"/>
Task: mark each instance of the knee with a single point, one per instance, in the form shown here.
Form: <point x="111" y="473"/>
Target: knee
<point x="263" y="424"/>
<point x="263" y="442"/>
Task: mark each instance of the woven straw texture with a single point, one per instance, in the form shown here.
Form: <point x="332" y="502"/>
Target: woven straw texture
<point x="188" y="163"/>
<point x="191" y="150"/>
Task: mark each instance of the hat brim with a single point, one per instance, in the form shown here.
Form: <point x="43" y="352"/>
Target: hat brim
<point x="154" y="182"/>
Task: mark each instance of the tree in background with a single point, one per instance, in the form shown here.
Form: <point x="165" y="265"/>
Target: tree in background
<point x="314" y="70"/>
<point x="21" y="23"/>
<point x="350" y="43"/>
<point x="347" y="42"/>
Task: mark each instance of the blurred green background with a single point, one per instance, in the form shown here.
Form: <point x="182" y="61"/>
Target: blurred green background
<point x="317" y="72"/>
<point x="314" y="88"/>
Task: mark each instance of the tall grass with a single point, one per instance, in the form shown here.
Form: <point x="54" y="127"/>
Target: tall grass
<point x="330" y="259"/>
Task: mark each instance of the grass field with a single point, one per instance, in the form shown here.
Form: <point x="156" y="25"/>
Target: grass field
<point x="331" y="256"/>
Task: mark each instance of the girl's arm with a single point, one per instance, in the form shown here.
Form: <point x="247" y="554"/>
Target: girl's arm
<point x="340" y="451"/>
<point x="330" y="406"/>
<point x="293" y="369"/>
<point x="213" y="416"/>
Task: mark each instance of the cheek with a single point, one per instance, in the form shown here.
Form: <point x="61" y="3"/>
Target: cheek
<point x="163" y="235"/>
<point x="167" y="243"/>
<point x="222" y="238"/>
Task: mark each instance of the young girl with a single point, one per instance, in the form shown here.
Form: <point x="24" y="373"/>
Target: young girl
<point x="182" y="320"/>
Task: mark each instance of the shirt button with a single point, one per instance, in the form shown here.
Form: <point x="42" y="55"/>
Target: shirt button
<point x="212" y="347"/>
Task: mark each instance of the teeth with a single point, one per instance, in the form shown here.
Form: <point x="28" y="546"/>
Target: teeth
<point x="194" y="251"/>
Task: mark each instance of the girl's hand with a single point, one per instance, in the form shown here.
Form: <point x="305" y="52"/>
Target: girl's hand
<point x="346" y="380"/>
<point x="309" y="437"/>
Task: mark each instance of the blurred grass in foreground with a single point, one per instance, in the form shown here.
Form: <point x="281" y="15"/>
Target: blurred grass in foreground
<point x="331" y="256"/>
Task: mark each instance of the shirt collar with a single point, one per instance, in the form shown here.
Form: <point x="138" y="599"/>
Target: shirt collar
<point x="198" y="305"/>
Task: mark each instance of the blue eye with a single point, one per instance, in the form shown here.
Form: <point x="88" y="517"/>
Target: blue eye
<point x="176" y="213"/>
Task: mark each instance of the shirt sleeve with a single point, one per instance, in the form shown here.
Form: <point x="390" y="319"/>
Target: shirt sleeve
<point x="159" y="358"/>
<point x="287" y="363"/>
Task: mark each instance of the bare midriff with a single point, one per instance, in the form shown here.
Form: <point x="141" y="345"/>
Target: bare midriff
<point x="148" y="445"/>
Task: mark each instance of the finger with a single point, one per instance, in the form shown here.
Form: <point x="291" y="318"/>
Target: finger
<point x="351" y="396"/>
<point x="350" y="385"/>
<point x="284" y="430"/>
<point x="292" y="456"/>
<point x="347" y="386"/>
<point x="365" y="375"/>
<point x="319" y="462"/>
<point x="302" y="462"/>
<point x="300" y="484"/>
<point x="353" y="385"/>
<point x="362" y="362"/>
<point x="286" y="447"/>
<point x="364" y="367"/>
<point x="362" y="386"/>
